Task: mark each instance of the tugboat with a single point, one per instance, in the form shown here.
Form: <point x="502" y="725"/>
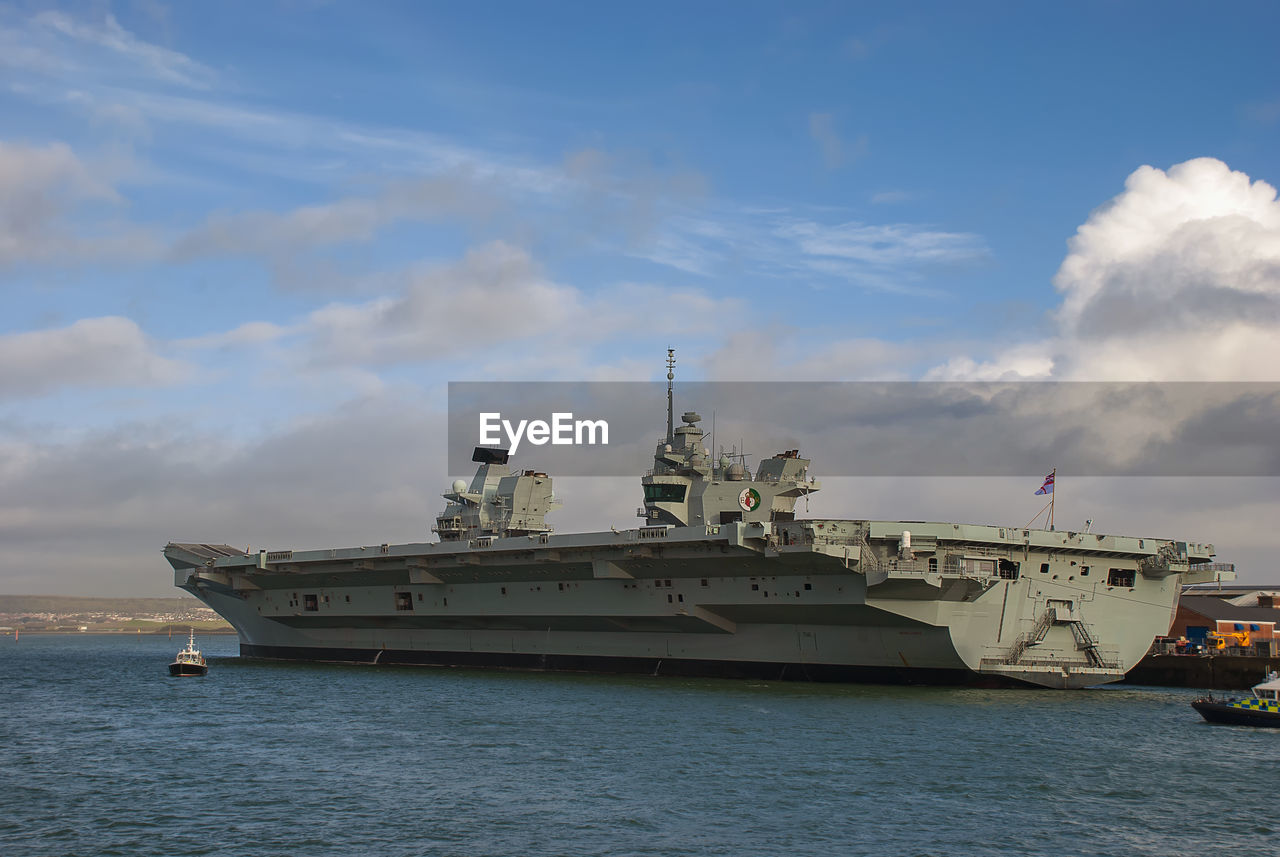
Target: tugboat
<point x="1261" y="709"/>
<point x="189" y="661"/>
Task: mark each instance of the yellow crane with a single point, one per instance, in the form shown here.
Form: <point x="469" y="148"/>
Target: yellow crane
<point x="1222" y="639"/>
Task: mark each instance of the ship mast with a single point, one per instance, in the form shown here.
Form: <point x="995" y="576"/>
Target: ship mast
<point x="671" y="375"/>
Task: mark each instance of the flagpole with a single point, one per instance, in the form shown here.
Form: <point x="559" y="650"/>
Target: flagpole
<point x="1053" y="496"/>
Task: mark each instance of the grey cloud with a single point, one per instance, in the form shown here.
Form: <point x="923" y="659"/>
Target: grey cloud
<point x="625" y="199"/>
<point x="90" y="517"/>
<point x="496" y="306"/>
<point x="835" y="151"/>
<point x="354" y="219"/>
<point x="496" y="288"/>
<point x="822" y="130"/>
<point x="1125" y="305"/>
<point x="95" y="352"/>
<point x="914" y="429"/>
<point x="1263" y="112"/>
<point x="41" y="187"/>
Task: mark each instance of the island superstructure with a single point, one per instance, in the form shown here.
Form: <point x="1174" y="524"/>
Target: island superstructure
<point x="722" y="579"/>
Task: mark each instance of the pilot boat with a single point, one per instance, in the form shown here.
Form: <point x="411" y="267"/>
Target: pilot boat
<point x="189" y="661"/>
<point x="1261" y="709"/>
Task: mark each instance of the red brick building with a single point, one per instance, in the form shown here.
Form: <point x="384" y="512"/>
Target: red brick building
<point x="1238" y="610"/>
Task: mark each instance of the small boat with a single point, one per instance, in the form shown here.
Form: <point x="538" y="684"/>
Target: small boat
<point x="189" y="661"/>
<point x="1261" y="709"/>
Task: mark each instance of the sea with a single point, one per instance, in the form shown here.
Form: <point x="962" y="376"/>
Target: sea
<point x="102" y="753"/>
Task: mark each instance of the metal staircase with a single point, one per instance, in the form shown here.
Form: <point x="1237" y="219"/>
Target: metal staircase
<point x="1032" y="637"/>
<point x="1085" y="641"/>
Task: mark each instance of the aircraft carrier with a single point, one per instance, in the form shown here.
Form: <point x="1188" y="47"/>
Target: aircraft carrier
<point x="722" y="579"/>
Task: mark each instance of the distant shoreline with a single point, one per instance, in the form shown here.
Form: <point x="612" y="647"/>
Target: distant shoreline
<point x="121" y="632"/>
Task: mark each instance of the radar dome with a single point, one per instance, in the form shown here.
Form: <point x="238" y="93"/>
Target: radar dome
<point x="724" y="462"/>
<point x="459" y="486"/>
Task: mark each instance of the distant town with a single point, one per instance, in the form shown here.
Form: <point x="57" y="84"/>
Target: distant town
<point x="56" y="614"/>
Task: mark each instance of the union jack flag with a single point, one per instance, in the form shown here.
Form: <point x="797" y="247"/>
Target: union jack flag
<point x="1047" y="487"/>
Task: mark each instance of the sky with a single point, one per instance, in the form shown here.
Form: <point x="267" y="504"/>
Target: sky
<point x="244" y="247"/>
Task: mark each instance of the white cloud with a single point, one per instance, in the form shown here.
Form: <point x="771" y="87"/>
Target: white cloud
<point x="249" y="333"/>
<point x="793" y="355"/>
<point x="1175" y="279"/>
<point x="105" y="40"/>
<point x="1168" y="235"/>
<point x="94" y="352"/>
<point x="1021" y="362"/>
<point x="493" y="294"/>
<point x="884" y="244"/>
<point x="496" y="306"/>
<point x="316" y="147"/>
<point x="775" y="242"/>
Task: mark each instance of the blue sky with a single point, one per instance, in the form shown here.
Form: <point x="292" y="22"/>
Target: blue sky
<point x="222" y="225"/>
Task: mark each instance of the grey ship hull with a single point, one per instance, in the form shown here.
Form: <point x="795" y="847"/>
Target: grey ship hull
<point x="801" y="600"/>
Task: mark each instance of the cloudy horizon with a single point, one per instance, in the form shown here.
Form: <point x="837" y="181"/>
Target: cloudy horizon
<point x="240" y="268"/>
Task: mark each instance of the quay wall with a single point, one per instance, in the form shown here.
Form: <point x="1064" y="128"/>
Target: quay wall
<point x="1214" y="672"/>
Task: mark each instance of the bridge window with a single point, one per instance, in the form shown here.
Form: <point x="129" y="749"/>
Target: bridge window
<point x="1120" y="577"/>
<point x="664" y="493"/>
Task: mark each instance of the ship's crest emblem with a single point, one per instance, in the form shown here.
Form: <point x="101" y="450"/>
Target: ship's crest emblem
<point x="749" y="499"/>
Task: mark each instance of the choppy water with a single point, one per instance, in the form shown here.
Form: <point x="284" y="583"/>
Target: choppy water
<point x="102" y="753"/>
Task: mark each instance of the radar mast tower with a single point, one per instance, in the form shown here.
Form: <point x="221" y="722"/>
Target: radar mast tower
<point x="671" y="375"/>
